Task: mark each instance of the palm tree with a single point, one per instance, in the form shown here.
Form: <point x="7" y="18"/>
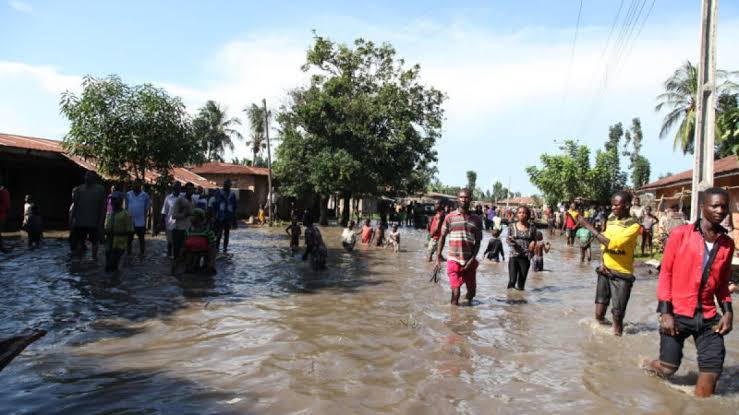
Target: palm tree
<point x="680" y="98"/>
<point x="215" y="130"/>
<point x="257" y="141"/>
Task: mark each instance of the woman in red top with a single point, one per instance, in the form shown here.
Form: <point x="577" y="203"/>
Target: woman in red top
<point x="696" y="269"/>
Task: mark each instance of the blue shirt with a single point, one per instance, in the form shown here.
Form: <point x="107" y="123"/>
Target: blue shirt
<point x="225" y="205"/>
<point x="137" y="206"/>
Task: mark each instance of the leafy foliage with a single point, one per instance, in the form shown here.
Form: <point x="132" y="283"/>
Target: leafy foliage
<point x="257" y="139"/>
<point x="472" y="180"/>
<point x="638" y="164"/>
<point x="128" y="130"/>
<point x="215" y="130"/>
<point x="680" y="100"/>
<point x="563" y="176"/>
<point x="365" y="124"/>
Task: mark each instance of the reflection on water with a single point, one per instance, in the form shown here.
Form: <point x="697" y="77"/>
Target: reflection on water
<point x="267" y="335"/>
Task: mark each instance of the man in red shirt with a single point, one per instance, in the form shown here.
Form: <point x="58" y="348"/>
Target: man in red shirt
<point x="435" y="228"/>
<point x="4" y="208"/>
<point x="464" y="229"/>
<point x="696" y="268"/>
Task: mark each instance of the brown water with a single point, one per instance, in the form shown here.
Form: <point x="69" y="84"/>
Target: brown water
<point x="369" y="335"/>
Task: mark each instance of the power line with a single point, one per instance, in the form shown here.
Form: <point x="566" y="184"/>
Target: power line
<point x="624" y="37"/>
<point x="572" y="58"/>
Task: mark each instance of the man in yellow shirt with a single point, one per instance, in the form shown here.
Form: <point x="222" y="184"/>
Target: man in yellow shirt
<point x="616" y="275"/>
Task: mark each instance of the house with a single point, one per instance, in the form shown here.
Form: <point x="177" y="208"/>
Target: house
<point x="675" y="190"/>
<point x="43" y="169"/>
<point x="251" y="183"/>
<point x="516" y="201"/>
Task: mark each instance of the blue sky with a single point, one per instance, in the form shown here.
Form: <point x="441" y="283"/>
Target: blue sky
<point x="503" y="64"/>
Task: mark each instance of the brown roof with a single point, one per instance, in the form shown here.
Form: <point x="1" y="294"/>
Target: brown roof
<point x="228" y="168"/>
<point x="723" y="167"/>
<point x="517" y="201"/>
<point x="30" y="143"/>
<point x="42" y="144"/>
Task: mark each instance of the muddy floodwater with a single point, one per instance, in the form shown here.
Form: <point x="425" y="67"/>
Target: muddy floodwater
<point x="267" y="335"/>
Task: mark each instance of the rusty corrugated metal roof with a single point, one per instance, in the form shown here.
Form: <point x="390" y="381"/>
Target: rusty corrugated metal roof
<point x="229" y="168"/>
<point x="724" y="166"/>
<point x="42" y="144"/>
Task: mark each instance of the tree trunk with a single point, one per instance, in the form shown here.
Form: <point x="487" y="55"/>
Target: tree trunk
<point x="323" y="219"/>
<point x="382" y="208"/>
<point x="346" y="197"/>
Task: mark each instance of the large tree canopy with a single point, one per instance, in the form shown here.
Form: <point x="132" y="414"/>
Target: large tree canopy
<point x="215" y="130"/>
<point x="128" y="130"/>
<point x="365" y="124"/>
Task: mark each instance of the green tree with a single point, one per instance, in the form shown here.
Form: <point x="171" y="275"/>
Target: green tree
<point x="499" y="191"/>
<point x="257" y="138"/>
<point x="606" y="177"/>
<point x="215" y="130"/>
<point x="563" y="176"/>
<point x="679" y="99"/>
<point x="129" y="131"/>
<point x="471" y="180"/>
<point x="638" y="164"/>
<point x="727" y="126"/>
<point x="368" y="112"/>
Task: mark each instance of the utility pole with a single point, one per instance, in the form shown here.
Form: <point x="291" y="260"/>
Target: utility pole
<point x="269" y="162"/>
<point x="705" y="109"/>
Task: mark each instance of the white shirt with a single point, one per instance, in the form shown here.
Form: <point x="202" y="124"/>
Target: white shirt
<point x="348" y="236"/>
<point x="167" y="210"/>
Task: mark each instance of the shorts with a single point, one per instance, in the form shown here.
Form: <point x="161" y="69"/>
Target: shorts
<point x="616" y="289"/>
<point x="584" y="246"/>
<point x="80" y="234"/>
<point x="538" y="263"/>
<point x="432" y="246"/>
<point x="570" y="232"/>
<point x="139" y="231"/>
<point x="457" y="277"/>
<point x="708" y="343"/>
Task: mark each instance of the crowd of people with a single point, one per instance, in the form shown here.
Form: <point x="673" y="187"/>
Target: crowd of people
<point x="195" y="221"/>
<point x="695" y="278"/>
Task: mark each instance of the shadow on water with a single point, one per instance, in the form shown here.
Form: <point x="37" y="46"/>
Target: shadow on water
<point x="88" y="387"/>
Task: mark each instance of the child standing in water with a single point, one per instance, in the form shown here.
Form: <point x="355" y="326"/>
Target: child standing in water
<point x="380" y="233"/>
<point x="539" y="248"/>
<point x="314" y="245"/>
<point x="34" y="227"/>
<point x="585" y="237"/>
<point x="348" y="237"/>
<point x="494" y="251"/>
<point x="118" y="227"/>
<point x="293" y="230"/>
<point x="367" y="232"/>
<point x="394" y="239"/>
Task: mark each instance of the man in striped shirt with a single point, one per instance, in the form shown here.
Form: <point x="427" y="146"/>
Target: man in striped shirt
<point x="464" y="229"/>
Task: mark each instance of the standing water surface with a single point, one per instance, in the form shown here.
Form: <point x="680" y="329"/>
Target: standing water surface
<point x="370" y="334"/>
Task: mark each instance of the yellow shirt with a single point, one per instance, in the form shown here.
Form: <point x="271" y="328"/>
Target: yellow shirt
<point x="622" y="234"/>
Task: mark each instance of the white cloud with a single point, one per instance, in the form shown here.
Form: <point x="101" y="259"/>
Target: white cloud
<point x="506" y="91"/>
<point x="47" y="76"/>
<point x="20" y="6"/>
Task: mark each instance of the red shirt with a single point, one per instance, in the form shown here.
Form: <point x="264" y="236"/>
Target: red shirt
<point x="682" y="270"/>
<point x="434" y="228"/>
<point x="465" y="231"/>
<point x="4" y="203"/>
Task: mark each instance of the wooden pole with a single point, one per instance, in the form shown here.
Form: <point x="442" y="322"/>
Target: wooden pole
<point x="270" y="191"/>
<point x="705" y="111"/>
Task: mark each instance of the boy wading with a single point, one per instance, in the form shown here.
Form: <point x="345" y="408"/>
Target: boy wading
<point x="615" y="276"/>
<point x="465" y="233"/>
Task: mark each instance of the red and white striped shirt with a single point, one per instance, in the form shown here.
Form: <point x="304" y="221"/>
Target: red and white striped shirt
<point x="464" y="231"/>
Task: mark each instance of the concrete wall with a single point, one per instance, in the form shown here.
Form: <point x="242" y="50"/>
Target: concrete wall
<point x="252" y="191"/>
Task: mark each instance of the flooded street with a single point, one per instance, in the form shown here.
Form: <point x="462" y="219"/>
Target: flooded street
<point x="369" y="335"/>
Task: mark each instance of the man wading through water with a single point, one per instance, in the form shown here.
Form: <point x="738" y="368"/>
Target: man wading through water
<point x="696" y="269"/>
<point x="616" y="275"/>
<point x="465" y="233"/>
